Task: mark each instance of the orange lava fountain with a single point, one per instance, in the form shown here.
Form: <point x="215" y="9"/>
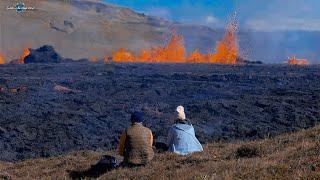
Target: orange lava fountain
<point x="295" y="61"/>
<point x="123" y="56"/>
<point x="2" y="59"/>
<point x="227" y="48"/>
<point x="25" y="53"/>
<point x="197" y="57"/>
<point x="174" y="51"/>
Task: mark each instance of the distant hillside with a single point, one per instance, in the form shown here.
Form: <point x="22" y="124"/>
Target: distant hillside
<point x="83" y="28"/>
<point x="90" y="28"/>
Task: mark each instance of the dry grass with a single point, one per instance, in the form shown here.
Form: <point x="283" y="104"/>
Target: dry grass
<point x="291" y="156"/>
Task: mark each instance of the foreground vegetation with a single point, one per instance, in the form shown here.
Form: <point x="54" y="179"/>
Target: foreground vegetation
<point x="290" y="156"/>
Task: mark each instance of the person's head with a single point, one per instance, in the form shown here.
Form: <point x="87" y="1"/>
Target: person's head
<point x="180" y="113"/>
<point x="137" y="117"/>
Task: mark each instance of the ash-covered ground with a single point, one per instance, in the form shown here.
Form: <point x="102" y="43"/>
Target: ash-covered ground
<point x="51" y="109"/>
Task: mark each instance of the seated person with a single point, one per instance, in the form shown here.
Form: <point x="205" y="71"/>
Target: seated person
<point x="181" y="137"/>
<point x="136" y="143"/>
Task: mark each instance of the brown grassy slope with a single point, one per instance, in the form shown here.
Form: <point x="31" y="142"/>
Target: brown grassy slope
<point x="290" y="156"/>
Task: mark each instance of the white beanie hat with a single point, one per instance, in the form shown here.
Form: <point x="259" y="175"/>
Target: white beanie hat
<point x="180" y="113"/>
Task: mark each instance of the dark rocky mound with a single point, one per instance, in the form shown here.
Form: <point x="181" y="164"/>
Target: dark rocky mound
<point x="44" y="54"/>
<point x="242" y="60"/>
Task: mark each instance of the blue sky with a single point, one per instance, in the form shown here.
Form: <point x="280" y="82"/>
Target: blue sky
<point x="205" y="12"/>
<point x="267" y="15"/>
<point x="279" y="14"/>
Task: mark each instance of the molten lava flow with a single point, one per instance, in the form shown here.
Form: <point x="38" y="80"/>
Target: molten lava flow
<point x="144" y="56"/>
<point x="25" y="53"/>
<point x="295" y="61"/>
<point x="2" y="60"/>
<point x="158" y="54"/>
<point x="227" y="48"/>
<point x="197" y="57"/>
<point x="107" y="59"/>
<point x="174" y="51"/>
<point x="123" y="55"/>
<point x="93" y="59"/>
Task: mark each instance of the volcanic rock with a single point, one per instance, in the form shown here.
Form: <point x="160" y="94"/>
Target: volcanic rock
<point x="222" y="102"/>
<point x="241" y="60"/>
<point x="63" y="89"/>
<point x="44" y="54"/>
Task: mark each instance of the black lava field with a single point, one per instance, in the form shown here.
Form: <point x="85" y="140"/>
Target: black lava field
<point x="51" y="109"/>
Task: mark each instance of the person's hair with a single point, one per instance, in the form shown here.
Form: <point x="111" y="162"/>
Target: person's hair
<point x="137" y="117"/>
<point x="185" y="121"/>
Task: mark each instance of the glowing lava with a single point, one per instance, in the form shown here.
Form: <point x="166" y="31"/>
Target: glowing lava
<point x="197" y="57"/>
<point x="174" y="51"/>
<point x="25" y="53"/>
<point x="93" y="59"/>
<point x="227" y="48"/>
<point x="123" y="55"/>
<point x="2" y="59"/>
<point x="295" y="61"/>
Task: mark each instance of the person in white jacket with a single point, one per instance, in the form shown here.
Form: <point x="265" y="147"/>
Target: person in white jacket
<point x="181" y="136"/>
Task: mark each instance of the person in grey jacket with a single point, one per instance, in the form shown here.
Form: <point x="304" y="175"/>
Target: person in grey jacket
<point x="181" y="137"/>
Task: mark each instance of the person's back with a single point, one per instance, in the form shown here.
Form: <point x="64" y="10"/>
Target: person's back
<point x="138" y="148"/>
<point x="136" y="143"/>
<point x="181" y="137"/>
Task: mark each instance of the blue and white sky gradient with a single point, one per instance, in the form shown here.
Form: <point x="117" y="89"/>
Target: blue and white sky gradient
<point x="265" y="15"/>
